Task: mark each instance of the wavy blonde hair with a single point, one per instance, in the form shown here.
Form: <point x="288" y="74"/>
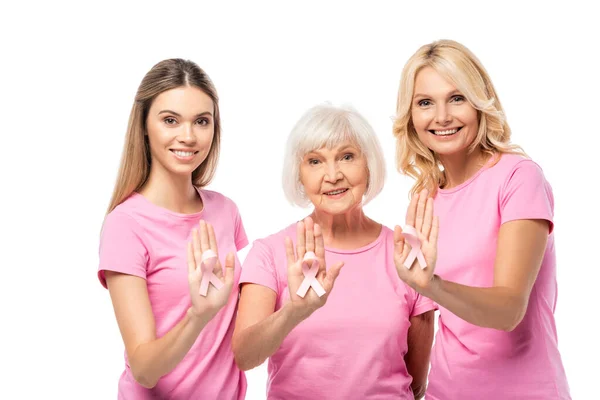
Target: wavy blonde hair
<point x="459" y="66"/>
<point x="136" y="160"/>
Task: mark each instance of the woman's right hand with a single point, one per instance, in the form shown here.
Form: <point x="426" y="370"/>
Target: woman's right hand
<point x="203" y="239"/>
<point x="309" y="238"/>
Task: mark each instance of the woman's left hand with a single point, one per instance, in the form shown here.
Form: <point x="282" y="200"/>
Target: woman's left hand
<point x="419" y="216"/>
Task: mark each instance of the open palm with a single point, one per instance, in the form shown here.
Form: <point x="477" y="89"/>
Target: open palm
<point x="203" y="239"/>
<point x="420" y="216"/>
<point x="309" y="238"/>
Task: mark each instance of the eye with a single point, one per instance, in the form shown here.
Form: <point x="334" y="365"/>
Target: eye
<point x="202" y="121"/>
<point x="313" y="161"/>
<point x="170" y="121"/>
<point x="457" y="99"/>
<point x="424" y="103"/>
<point x="348" y="157"/>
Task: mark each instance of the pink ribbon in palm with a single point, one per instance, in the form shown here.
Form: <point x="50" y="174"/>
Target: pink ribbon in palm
<point x="209" y="259"/>
<point x="310" y="276"/>
<point x="412" y="238"/>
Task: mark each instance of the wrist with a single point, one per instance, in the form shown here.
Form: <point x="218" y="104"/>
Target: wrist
<point x="297" y="312"/>
<point x="433" y="287"/>
<point x="200" y="318"/>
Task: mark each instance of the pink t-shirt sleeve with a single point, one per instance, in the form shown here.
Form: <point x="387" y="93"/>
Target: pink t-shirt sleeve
<point x="241" y="240"/>
<point x="121" y="247"/>
<point x="422" y="304"/>
<point x="527" y="195"/>
<point x="259" y="267"/>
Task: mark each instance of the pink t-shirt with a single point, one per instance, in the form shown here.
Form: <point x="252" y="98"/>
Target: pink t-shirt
<point x="470" y="362"/>
<point x="354" y="346"/>
<point x="142" y="239"/>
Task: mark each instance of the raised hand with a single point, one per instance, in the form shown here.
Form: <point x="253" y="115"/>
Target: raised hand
<point x="309" y="239"/>
<point x="420" y="217"/>
<point x="203" y="239"/>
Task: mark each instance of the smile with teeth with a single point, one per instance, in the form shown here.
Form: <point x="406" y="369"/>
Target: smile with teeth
<point x="184" y="153"/>
<point x="446" y="132"/>
<point x="334" y="192"/>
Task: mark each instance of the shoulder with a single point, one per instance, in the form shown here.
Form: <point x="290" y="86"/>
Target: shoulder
<point x="122" y="217"/>
<point x="522" y="170"/>
<point x="212" y="197"/>
<point x="276" y="240"/>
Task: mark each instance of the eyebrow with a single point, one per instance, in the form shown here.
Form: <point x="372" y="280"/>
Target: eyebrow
<point x="179" y="115"/>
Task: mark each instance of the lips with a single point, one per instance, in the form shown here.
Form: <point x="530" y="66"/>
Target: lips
<point x="336" y="191"/>
<point x="182" y="153"/>
<point x="445" y="132"/>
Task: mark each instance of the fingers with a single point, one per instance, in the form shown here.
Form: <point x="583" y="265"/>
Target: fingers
<point x="197" y="250"/>
<point x="309" y="234"/>
<point x="190" y="258"/>
<point x="398" y="240"/>
<point x="229" y="268"/>
<point x="300" y="240"/>
<point x="434" y="231"/>
<point x="428" y="219"/>
<point x="421" y="210"/>
<point x="289" y="251"/>
<point x="332" y="274"/>
<point x="319" y="243"/>
<point x="204" y="242"/>
<point x="212" y="239"/>
<point x="411" y="213"/>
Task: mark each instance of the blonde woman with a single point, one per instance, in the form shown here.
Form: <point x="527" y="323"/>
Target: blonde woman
<point x="495" y="276"/>
<point x="174" y="313"/>
<point x="369" y="337"/>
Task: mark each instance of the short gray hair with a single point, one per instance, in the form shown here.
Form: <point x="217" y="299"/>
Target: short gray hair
<point x="327" y="126"/>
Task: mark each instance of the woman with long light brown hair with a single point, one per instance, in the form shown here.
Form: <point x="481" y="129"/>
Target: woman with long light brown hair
<point x="495" y="263"/>
<point x="159" y="256"/>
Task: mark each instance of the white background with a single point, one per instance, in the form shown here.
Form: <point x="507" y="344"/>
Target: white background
<point x="68" y="76"/>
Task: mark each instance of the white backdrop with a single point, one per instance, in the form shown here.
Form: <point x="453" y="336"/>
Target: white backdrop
<point x="68" y="76"/>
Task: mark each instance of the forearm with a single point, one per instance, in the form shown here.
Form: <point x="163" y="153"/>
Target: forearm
<point x="495" y="307"/>
<point x="419" y="341"/>
<point x="150" y="361"/>
<point x="254" y="344"/>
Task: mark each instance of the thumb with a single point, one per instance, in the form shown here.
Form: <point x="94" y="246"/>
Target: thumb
<point x="229" y="268"/>
<point x="333" y="273"/>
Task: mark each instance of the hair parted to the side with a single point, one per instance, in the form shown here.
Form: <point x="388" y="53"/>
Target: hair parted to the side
<point x="328" y="126"/>
<point x="136" y="160"/>
<point x="459" y="66"/>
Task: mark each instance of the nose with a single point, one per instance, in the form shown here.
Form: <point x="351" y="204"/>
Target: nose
<point x="442" y="116"/>
<point x="186" y="135"/>
<point x="333" y="173"/>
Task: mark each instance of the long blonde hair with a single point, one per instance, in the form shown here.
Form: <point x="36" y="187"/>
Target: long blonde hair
<point x="459" y="66"/>
<point x="136" y="159"/>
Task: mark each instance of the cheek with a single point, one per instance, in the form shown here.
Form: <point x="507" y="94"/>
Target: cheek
<point x="205" y="136"/>
<point x="420" y="120"/>
<point x="356" y="174"/>
<point x="309" y="177"/>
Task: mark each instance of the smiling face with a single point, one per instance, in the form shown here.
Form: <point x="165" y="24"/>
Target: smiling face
<point x="444" y="120"/>
<point x="335" y="180"/>
<point x="180" y="129"/>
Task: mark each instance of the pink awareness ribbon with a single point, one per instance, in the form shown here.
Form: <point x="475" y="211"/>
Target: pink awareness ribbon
<point x="412" y="238"/>
<point x="310" y="276"/>
<point x="209" y="259"/>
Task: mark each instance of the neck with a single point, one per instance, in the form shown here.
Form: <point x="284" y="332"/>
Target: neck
<point x="175" y="193"/>
<point x="458" y="168"/>
<point x="349" y="230"/>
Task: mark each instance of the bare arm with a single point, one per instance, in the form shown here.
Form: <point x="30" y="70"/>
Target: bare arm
<point x="150" y="358"/>
<point x="520" y="250"/>
<point x="259" y="330"/>
<point x="420" y="339"/>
